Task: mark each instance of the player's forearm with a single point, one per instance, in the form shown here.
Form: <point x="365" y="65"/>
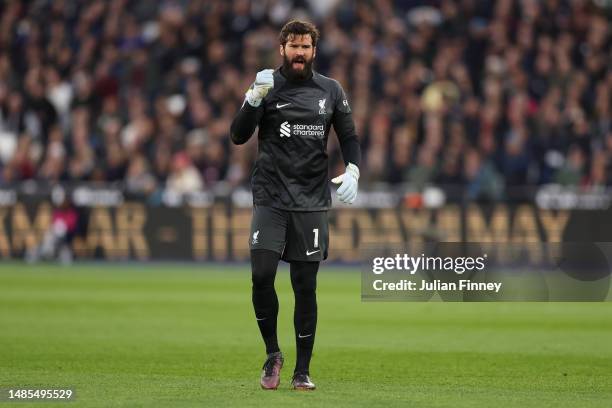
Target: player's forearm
<point x="351" y="151"/>
<point x="349" y="144"/>
<point x="244" y="124"/>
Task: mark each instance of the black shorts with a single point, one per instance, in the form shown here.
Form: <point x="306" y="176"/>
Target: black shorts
<point x="295" y="235"/>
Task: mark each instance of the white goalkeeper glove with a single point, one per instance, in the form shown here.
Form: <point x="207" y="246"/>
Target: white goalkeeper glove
<point x="347" y="192"/>
<point x="264" y="81"/>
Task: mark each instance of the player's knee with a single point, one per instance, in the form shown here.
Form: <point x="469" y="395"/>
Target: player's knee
<point x="262" y="281"/>
<point x="264" y="263"/>
<point x="304" y="279"/>
<point x="304" y="286"/>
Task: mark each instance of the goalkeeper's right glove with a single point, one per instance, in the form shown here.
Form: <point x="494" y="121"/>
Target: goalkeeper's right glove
<point x="264" y="81"/>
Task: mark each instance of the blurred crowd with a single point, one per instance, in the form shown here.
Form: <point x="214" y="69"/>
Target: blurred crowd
<point x="487" y="95"/>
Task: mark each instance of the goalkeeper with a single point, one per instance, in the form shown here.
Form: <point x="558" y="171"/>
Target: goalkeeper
<point x="294" y="108"/>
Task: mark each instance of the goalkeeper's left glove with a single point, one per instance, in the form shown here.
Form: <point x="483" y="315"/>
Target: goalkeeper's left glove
<point x="347" y="192"/>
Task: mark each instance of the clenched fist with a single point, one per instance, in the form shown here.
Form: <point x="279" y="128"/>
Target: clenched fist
<point x="264" y="81"/>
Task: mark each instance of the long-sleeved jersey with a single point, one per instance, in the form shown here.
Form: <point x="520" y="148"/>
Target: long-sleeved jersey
<point x="294" y="120"/>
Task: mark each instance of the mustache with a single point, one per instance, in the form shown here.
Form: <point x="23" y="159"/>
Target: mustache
<point x="298" y="59"/>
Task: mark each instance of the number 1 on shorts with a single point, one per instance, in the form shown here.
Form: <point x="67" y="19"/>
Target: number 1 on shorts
<point x="316" y="237"/>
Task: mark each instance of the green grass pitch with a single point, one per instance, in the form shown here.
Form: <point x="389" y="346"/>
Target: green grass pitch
<point x="185" y="335"/>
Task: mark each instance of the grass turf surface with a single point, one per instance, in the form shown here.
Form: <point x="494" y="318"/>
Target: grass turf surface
<point x="165" y="335"/>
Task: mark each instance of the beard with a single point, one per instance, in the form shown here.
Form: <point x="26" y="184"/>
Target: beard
<point x="298" y="74"/>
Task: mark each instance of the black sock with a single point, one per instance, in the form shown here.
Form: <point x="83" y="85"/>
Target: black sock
<point x="265" y="301"/>
<point x="302" y="362"/>
<point x="304" y="283"/>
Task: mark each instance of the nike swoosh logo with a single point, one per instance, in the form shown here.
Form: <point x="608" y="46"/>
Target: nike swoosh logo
<point x="278" y="106"/>
<point x="301" y="337"/>
<point x="308" y="253"/>
<point x="258" y="319"/>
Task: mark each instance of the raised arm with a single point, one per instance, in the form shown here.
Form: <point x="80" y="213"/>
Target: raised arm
<point x="247" y="118"/>
<point x="245" y="122"/>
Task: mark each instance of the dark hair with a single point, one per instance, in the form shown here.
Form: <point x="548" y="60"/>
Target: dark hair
<point x="297" y="27"/>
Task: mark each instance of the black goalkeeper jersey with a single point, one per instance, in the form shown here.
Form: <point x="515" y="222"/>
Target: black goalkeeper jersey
<point x="294" y="120"/>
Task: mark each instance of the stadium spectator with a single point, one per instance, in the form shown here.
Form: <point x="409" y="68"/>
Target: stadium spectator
<point x="57" y="239"/>
<point x="184" y="177"/>
<point x="139" y="178"/>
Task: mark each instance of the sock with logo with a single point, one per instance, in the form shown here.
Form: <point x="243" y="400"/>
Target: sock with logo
<point x="304" y="283"/>
<point x="265" y="302"/>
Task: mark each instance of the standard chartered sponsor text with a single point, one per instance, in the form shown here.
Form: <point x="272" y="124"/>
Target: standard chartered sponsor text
<point x="308" y="130"/>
